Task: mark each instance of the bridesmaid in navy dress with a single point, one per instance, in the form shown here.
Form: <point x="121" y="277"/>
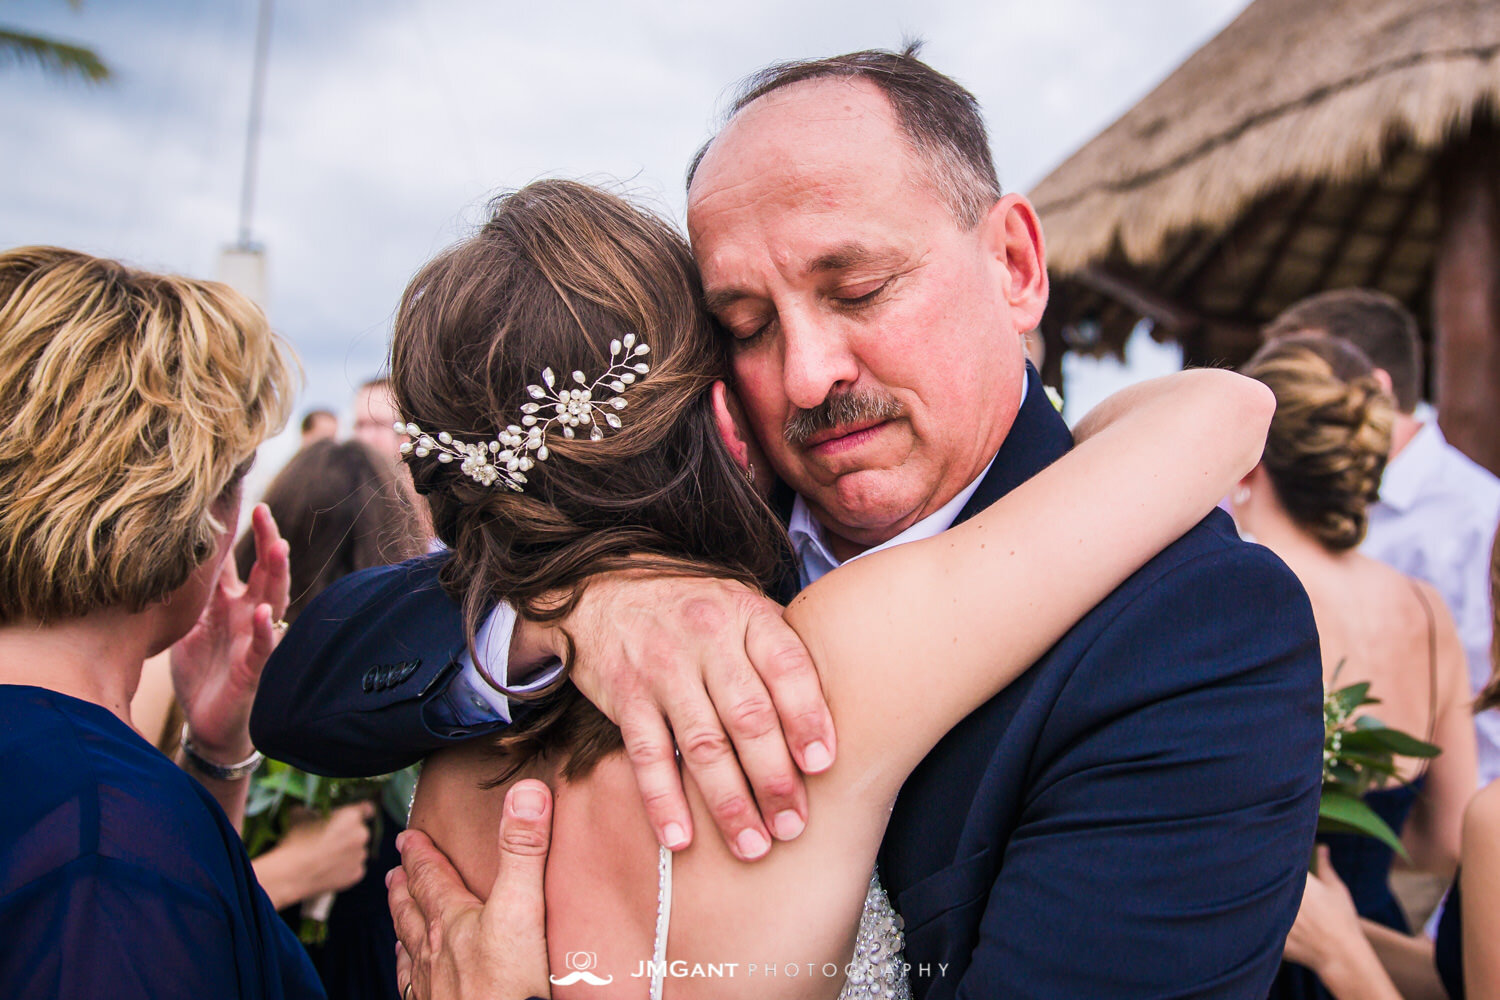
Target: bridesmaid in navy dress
<point x="1307" y="501"/>
<point x="1361" y="961"/>
<point x="131" y="405"/>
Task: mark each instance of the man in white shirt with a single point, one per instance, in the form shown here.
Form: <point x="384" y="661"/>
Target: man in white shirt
<point x="1438" y="509"/>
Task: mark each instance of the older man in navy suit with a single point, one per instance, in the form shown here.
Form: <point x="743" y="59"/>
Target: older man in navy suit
<point x="1131" y="818"/>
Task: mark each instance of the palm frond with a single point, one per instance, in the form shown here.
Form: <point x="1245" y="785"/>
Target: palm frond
<point x="58" y="58"/>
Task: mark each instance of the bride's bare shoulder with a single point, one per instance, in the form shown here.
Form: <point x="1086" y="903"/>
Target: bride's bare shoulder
<point x="461" y="815"/>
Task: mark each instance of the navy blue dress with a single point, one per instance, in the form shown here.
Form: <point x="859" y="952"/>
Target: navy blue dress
<point x="358" y="959"/>
<point x="120" y="876"/>
<point x="1448" y="950"/>
<point x="1364" y="866"/>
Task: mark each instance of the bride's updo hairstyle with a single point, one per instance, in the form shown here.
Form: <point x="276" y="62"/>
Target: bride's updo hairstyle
<point x="559" y="271"/>
<point x="1330" y="436"/>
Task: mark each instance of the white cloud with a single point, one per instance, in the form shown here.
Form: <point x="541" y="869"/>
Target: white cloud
<point x="389" y="123"/>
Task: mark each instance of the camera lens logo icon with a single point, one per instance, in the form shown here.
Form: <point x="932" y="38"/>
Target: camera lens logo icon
<point x="581" y="964"/>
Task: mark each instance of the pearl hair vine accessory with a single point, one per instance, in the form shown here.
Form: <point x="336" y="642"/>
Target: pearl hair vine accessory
<point x="518" y="448"/>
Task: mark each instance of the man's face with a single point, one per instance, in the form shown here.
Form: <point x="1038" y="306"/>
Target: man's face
<point x="843" y="277"/>
<point x="325" y="427"/>
<point x="374" y="420"/>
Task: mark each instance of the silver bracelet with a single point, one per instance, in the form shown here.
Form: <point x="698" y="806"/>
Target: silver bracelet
<point x="218" y="772"/>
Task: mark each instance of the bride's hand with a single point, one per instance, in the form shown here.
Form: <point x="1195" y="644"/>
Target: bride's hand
<point x="216" y="666"/>
<point x="713" y="664"/>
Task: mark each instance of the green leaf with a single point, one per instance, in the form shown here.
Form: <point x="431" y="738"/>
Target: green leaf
<point x="1334" y="826"/>
<point x="1343" y="775"/>
<point x="1380" y="764"/>
<point x="1342" y="813"/>
<point x="1379" y="738"/>
<point x="1352" y="697"/>
<point x="55" y="57"/>
<point x="1338" y="668"/>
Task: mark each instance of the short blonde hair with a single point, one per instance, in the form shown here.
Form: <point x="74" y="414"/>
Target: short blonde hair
<point x="129" y="403"/>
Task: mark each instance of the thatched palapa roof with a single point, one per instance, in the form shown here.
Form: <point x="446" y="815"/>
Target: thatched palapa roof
<point x="1296" y="151"/>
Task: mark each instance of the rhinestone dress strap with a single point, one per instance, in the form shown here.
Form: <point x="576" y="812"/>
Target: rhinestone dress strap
<point x="877" y="971"/>
<point x="663" y="920"/>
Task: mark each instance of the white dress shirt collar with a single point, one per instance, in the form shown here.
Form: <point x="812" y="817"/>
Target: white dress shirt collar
<point x="1416" y="464"/>
<point x="810" y="542"/>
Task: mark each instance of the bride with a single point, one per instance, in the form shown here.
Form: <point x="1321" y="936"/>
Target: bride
<point x="563" y="391"/>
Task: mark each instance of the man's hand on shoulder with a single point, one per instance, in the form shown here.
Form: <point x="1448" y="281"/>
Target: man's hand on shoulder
<point x="450" y="945"/>
<point x="710" y="665"/>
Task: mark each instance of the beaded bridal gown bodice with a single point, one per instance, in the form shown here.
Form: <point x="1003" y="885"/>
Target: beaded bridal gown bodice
<point x="874" y="970"/>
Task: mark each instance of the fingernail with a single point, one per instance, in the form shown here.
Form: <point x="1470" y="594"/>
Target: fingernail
<point x="752" y="844"/>
<point x="400" y="839"/>
<point x="528" y="803"/>
<point x="816" y="756"/>
<point x="675" y="836"/>
<point x="388" y="876"/>
<point x="787" y="824"/>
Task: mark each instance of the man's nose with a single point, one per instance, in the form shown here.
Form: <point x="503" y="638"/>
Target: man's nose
<point x="816" y="358"/>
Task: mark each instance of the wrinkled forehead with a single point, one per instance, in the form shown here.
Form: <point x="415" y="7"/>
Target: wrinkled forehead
<point x="827" y="132"/>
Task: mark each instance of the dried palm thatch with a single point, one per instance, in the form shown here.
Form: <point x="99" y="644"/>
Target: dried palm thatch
<point x="1293" y="152"/>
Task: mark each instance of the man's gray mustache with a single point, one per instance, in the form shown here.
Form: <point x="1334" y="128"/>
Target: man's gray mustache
<point x="857" y="406"/>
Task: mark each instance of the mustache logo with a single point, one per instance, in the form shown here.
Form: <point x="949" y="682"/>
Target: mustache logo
<point x="581" y="977"/>
<point x="581" y="962"/>
<point x="853" y="407"/>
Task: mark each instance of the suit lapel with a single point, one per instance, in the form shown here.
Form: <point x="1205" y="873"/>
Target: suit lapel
<point x="1038" y="438"/>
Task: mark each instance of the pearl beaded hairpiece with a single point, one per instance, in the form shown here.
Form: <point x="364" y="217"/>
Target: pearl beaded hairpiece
<point x="510" y="456"/>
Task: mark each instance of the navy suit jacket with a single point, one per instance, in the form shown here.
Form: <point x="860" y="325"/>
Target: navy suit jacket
<point x="1132" y="817"/>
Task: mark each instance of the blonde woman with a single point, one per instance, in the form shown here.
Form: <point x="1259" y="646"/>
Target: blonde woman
<point x="131" y="405"/>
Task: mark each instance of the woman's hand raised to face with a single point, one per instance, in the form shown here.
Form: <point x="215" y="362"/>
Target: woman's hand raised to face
<point x="216" y="666"/>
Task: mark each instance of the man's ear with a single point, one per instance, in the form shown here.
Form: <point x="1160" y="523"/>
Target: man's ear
<point x="1384" y="378"/>
<point x="728" y="427"/>
<point x="1012" y="237"/>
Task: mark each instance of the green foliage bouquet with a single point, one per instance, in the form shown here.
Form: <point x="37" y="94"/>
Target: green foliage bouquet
<point x="282" y="796"/>
<point x="1360" y="754"/>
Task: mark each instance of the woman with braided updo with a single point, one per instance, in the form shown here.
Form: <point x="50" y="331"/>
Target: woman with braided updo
<point x="1307" y="501"/>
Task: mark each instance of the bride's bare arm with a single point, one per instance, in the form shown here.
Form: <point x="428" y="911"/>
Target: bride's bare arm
<point x="910" y="640"/>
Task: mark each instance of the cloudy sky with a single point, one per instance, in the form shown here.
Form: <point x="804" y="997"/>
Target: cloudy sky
<point x="388" y="124"/>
